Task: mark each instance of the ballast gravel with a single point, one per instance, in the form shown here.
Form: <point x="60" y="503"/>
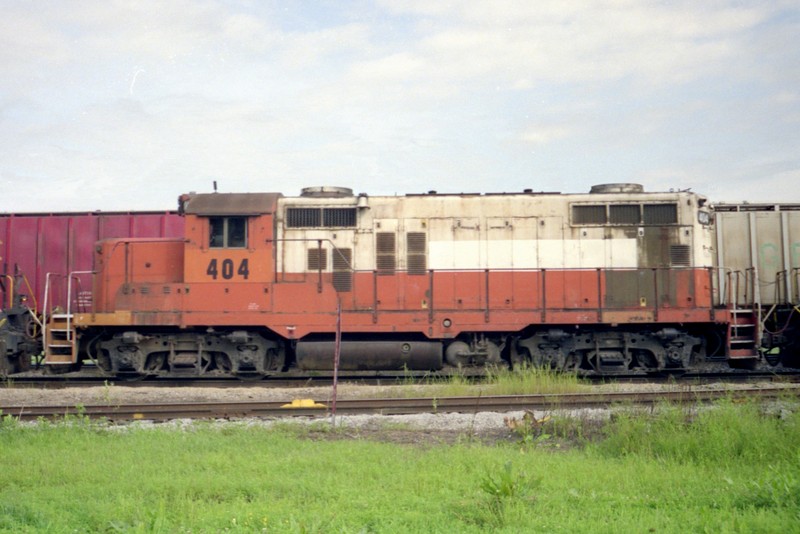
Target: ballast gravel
<point x="21" y="395"/>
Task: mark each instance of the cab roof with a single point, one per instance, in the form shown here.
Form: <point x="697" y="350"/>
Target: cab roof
<point x="209" y="204"/>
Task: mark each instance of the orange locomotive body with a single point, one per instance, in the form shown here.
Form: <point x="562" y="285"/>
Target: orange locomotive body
<point x="615" y="280"/>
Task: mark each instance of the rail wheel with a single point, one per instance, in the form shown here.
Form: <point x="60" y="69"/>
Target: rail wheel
<point x="254" y="366"/>
<point x="130" y="377"/>
<point x="251" y="377"/>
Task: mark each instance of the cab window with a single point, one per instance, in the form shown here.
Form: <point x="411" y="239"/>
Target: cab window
<point x="228" y="232"/>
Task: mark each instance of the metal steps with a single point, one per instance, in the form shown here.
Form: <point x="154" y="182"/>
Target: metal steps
<point x="742" y="334"/>
<point x="59" y="348"/>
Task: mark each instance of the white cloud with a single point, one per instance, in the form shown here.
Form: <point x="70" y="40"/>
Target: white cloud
<point x="543" y="134"/>
<point x="416" y="95"/>
<point x="579" y="41"/>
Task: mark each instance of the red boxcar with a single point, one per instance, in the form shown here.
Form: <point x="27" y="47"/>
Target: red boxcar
<point x="62" y="243"/>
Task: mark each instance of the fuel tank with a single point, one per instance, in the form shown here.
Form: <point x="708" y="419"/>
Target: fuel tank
<point x="370" y="355"/>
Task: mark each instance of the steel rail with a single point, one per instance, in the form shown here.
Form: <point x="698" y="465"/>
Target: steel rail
<point x="295" y="380"/>
<point x="495" y="403"/>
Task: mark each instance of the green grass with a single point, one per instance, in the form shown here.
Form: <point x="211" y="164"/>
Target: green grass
<point x="529" y="380"/>
<point x="500" y="381"/>
<point x="727" y="469"/>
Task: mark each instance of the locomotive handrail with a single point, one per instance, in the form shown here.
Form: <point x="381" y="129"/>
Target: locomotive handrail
<point x="45" y="303"/>
<point x="47" y="289"/>
<point x="31" y="293"/>
<point x="485" y="304"/>
<point x="796" y="285"/>
<point x="732" y="289"/>
<point x="729" y="295"/>
<point x="740" y="282"/>
<point x="781" y="277"/>
<point x="755" y="287"/>
<point x="654" y="280"/>
<point x="69" y="298"/>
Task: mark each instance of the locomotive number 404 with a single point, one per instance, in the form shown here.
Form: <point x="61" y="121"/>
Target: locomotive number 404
<point x="225" y="268"/>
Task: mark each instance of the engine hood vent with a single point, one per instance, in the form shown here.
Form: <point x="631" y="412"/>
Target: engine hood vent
<point x="617" y="188"/>
<point x="326" y="191"/>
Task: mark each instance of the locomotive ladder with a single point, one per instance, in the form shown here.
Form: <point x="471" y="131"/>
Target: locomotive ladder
<point x="742" y="331"/>
<point x="59" y="345"/>
<point x="744" y="305"/>
<point x="57" y="331"/>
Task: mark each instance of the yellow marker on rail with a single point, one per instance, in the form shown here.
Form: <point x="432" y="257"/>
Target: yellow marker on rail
<point x="303" y="403"/>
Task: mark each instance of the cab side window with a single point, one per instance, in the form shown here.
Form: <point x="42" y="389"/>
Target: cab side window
<point x="228" y="232"/>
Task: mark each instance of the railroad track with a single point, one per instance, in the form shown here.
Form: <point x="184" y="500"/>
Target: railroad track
<point x="497" y="403"/>
<point x="292" y="380"/>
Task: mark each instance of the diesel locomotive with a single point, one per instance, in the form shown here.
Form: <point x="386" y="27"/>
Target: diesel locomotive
<point x="611" y="281"/>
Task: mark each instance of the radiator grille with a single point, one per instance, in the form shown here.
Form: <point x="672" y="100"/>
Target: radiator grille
<point x="589" y="214"/>
<point x="624" y="214"/>
<point x="660" y="213"/>
<point x="320" y="217"/>
<point x="339" y="217"/>
<point x="303" y="217"/>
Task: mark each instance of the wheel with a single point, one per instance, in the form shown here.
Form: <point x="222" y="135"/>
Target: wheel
<point x="130" y="377"/>
<point x="250" y="377"/>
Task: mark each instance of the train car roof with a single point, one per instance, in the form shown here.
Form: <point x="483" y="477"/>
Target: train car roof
<point x="96" y="213"/>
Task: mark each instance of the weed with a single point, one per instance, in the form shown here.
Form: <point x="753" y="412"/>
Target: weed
<point x="108" y="394"/>
<point x="506" y="489"/>
<point x="8" y="422"/>
<point x="508" y="485"/>
<point x="526" y="379"/>
<point x="529" y="428"/>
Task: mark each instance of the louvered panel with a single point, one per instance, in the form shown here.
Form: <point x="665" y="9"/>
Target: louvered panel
<point x="589" y="214"/>
<point x="339" y="217"/>
<point x="624" y="214"/>
<point x="680" y="255"/>
<point x="342" y="269"/>
<point x="416" y="252"/>
<point x="317" y="259"/>
<point x="385" y="259"/>
<point x="660" y="214"/>
<point x="303" y="218"/>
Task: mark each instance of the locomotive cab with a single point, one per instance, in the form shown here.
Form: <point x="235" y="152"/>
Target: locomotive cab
<point x="228" y="237"/>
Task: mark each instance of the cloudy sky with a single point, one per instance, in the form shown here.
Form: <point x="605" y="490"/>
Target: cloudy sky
<point x="119" y="105"/>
